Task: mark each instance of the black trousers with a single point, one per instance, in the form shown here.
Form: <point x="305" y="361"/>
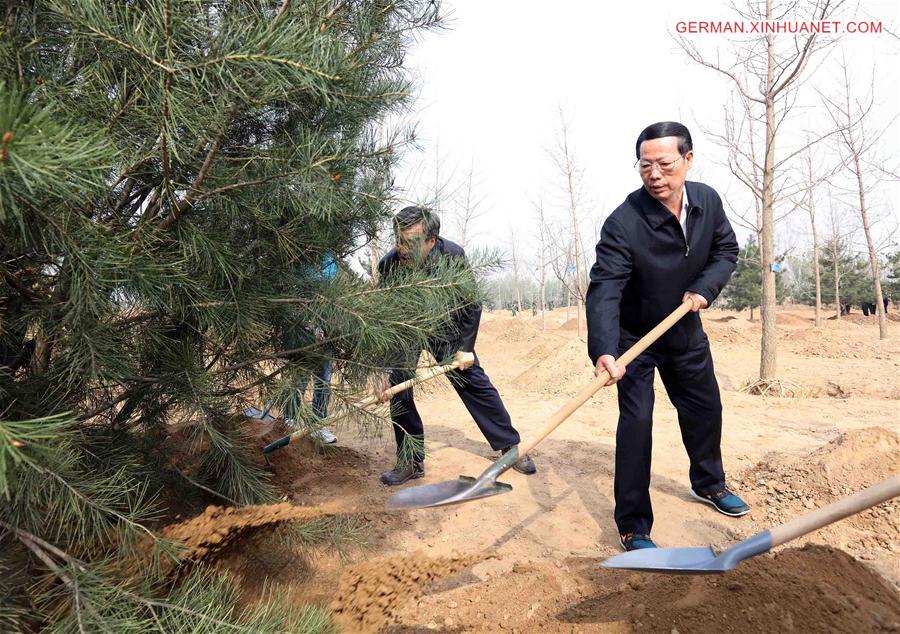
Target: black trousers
<point x="479" y="396"/>
<point x="691" y="384"/>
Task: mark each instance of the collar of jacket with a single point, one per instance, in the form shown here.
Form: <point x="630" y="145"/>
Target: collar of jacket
<point x="656" y="212"/>
<point x="437" y="250"/>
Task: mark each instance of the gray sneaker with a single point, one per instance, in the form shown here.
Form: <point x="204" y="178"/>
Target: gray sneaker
<point x="324" y="436"/>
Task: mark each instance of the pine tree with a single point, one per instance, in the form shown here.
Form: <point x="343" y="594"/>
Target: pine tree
<point x="744" y="290"/>
<point x="892" y="274"/>
<point x="855" y="277"/>
<point x="171" y="171"/>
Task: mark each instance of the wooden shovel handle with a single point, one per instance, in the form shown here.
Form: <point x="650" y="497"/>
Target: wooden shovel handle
<point x="421" y="377"/>
<point x="875" y="494"/>
<point x="589" y="390"/>
<point x="427" y="375"/>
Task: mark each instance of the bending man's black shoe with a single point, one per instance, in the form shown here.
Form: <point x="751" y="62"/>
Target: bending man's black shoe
<point x="523" y="465"/>
<point x="402" y="473"/>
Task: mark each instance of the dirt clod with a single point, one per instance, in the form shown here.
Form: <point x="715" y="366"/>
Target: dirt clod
<point x="217" y="526"/>
<point x="370" y="593"/>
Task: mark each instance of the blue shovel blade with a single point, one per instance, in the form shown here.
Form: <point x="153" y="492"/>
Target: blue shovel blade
<point x="691" y="561"/>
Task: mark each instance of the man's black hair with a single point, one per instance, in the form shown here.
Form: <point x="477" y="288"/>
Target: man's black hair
<point x="409" y="216"/>
<point x="664" y="129"/>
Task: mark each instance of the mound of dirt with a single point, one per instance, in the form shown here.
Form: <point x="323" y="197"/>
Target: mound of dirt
<point x="563" y="370"/>
<point x="509" y="330"/>
<point x="784" y="488"/>
<point x="863" y="320"/>
<point x="370" y="594"/>
<point x="792" y="319"/>
<point x="217" y="526"/>
<point x="813" y="589"/>
<point x="572" y="324"/>
<point x="286" y="464"/>
<point x="728" y="333"/>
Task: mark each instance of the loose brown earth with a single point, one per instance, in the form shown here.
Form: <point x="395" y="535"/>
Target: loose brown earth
<point x="528" y="560"/>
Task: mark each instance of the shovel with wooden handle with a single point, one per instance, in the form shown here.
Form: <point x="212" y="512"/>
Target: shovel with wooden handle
<point x="466" y="488"/>
<point x="698" y="561"/>
<point x="421" y="377"/>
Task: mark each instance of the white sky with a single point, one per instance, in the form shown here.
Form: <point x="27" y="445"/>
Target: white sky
<point x="491" y="85"/>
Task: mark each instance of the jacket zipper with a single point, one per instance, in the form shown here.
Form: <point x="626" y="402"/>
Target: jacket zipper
<point x="687" y="247"/>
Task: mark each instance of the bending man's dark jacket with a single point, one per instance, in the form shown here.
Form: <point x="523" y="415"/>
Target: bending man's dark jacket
<point x="644" y="267"/>
<point x="466" y="319"/>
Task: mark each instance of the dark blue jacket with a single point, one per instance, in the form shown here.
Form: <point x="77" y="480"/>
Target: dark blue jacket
<point x="644" y="266"/>
<point x="466" y="319"/>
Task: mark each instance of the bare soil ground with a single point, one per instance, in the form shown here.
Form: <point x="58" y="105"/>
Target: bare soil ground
<point x="528" y="561"/>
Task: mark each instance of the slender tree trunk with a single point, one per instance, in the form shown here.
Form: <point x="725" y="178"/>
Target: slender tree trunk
<point x="543" y="303"/>
<point x="514" y="252"/>
<point x="873" y="255"/>
<point x="577" y="237"/>
<point x="816" y="272"/>
<point x="837" y="278"/>
<point x="543" y="287"/>
<point x="768" y="347"/>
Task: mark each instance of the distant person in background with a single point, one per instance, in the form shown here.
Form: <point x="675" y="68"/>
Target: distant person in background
<point x="886" y="302"/>
<point x="300" y="335"/>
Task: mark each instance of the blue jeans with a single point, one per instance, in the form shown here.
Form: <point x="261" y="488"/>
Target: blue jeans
<point x="297" y="337"/>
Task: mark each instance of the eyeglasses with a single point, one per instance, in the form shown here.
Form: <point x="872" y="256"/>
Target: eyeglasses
<point x="666" y="166"/>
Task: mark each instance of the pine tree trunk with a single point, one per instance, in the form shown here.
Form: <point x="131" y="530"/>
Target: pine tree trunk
<point x="768" y="345"/>
<point x="373" y="260"/>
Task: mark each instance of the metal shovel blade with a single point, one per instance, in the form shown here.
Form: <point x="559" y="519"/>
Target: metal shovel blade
<point x="456" y="491"/>
<point x="683" y="560"/>
<point x="691" y="561"/>
<point x="445" y="493"/>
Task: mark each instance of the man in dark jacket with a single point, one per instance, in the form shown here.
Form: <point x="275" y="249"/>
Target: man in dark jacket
<point x="417" y="244"/>
<point x="668" y="242"/>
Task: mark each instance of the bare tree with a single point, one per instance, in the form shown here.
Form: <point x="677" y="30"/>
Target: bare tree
<point x="811" y="210"/>
<point x="563" y="156"/>
<point x="764" y="76"/>
<point x="814" y="175"/>
<point x="835" y="256"/>
<point x="470" y="207"/>
<point x="515" y="261"/>
<point x="542" y="235"/>
<point x="858" y="142"/>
